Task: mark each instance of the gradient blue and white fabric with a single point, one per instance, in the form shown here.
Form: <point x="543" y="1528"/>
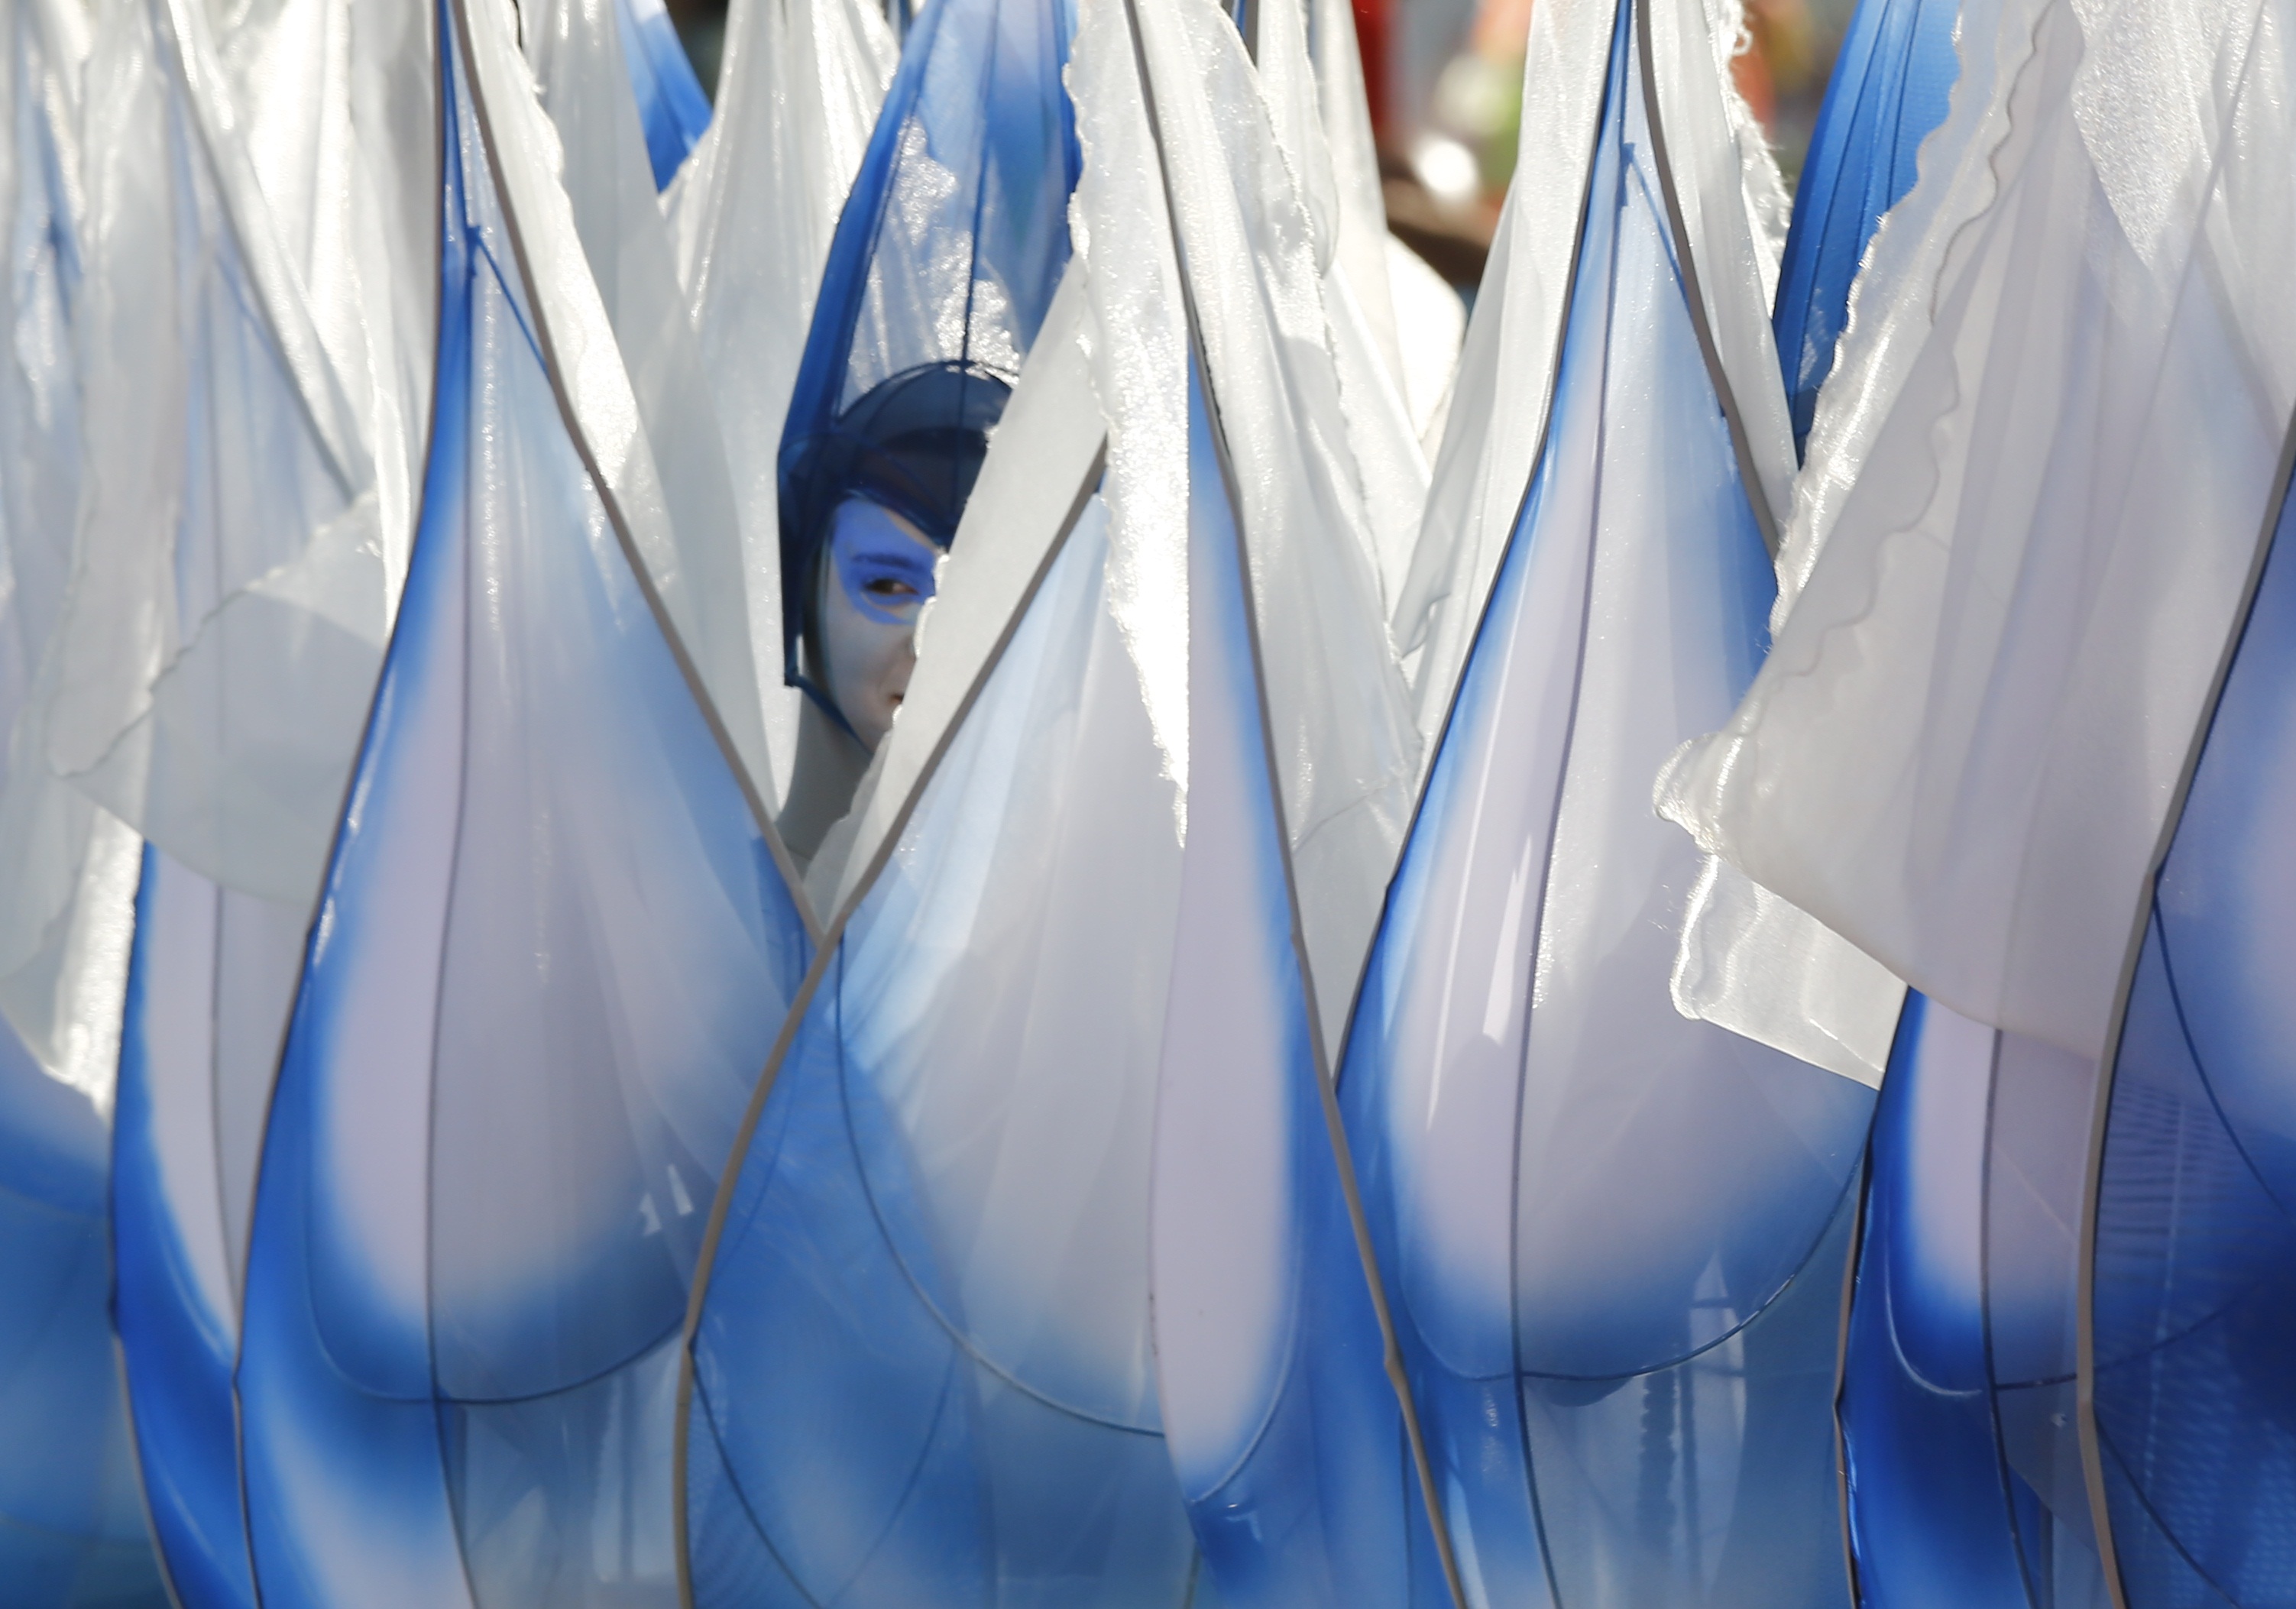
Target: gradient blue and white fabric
<point x="1613" y="1236"/>
<point x="1959" y="1420"/>
<point x="672" y="108"/>
<point x="1890" y="83"/>
<point x="551" y="956"/>
<point x="1286" y="1431"/>
<point x="922" y="1366"/>
<point x="2192" y="1310"/>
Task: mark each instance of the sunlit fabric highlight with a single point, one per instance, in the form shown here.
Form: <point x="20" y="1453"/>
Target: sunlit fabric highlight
<point x="1612" y="1237"/>
<point x="672" y="109"/>
<point x="1283" y="1426"/>
<point x="1957" y="1407"/>
<point x="1890" y="87"/>
<point x="2194" y="1312"/>
<point x="551" y="957"/>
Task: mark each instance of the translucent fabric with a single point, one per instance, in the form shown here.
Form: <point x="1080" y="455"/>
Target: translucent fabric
<point x="922" y="1366"/>
<point x="599" y="154"/>
<point x="71" y="1518"/>
<point x="751" y="214"/>
<point x="1284" y="1429"/>
<point x="1960" y="753"/>
<point x="552" y="954"/>
<point x="1891" y="84"/>
<point x="212" y="976"/>
<point x="1383" y="456"/>
<point x="1959" y="1427"/>
<point x="1613" y="1236"/>
<point x="672" y="109"/>
<point x="2192" y="1312"/>
<point x="1346" y="749"/>
<point x="953" y="238"/>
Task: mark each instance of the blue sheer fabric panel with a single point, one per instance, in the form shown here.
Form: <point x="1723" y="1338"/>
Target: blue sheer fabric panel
<point x="1613" y="1239"/>
<point x="210" y="983"/>
<point x="1283" y="1425"/>
<point x="955" y="233"/>
<point x="2195" y="1254"/>
<point x="551" y="958"/>
<point x="672" y="109"/>
<point x="1890" y="87"/>
<point x="71" y="1520"/>
<point x="921" y="1368"/>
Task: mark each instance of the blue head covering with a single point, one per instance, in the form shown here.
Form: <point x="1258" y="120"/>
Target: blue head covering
<point x="944" y="263"/>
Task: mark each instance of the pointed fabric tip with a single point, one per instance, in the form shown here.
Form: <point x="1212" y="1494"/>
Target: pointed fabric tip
<point x="1596" y="1218"/>
<point x="554" y="949"/>
<point x="1286" y="1431"/>
<point x="1891" y="84"/>
<point x="673" y="109"/>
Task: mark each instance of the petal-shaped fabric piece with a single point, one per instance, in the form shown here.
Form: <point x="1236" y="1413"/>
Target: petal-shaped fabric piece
<point x="1347" y="749"/>
<point x="212" y="978"/>
<point x="798" y="95"/>
<point x="1890" y="83"/>
<point x="305" y="99"/>
<point x="1290" y="1445"/>
<point x="1613" y="1236"/>
<point x="672" y="108"/>
<point x="552" y="954"/>
<point x="1944" y="743"/>
<point x="696" y="556"/>
<point x="921" y="1367"/>
<point x="1959" y="1429"/>
<point x="2193" y="1311"/>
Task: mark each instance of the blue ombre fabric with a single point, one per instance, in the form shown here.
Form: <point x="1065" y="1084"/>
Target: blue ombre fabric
<point x="1890" y="87"/>
<point x="71" y="1519"/>
<point x="2194" y="1269"/>
<point x="552" y="954"/>
<point x="1612" y="1238"/>
<point x="950" y="244"/>
<point x="1283" y="1425"/>
<point x="210" y="983"/>
<point x="1957" y="1390"/>
<point x="672" y="108"/>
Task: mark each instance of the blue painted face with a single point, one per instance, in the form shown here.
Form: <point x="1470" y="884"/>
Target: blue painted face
<point x="884" y="564"/>
<point x="880" y="572"/>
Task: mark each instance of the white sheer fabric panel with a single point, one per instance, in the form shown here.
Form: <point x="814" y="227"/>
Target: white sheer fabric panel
<point x="751" y="214"/>
<point x="1962" y="748"/>
<point x="699" y="560"/>
<point x="1347" y="752"/>
<point x="60" y="976"/>
<point x="1749" y="960"/>
<point x="1383" y="440"/>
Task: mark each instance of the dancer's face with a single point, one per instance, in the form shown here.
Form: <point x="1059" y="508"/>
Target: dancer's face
<point x="879" y="575"/>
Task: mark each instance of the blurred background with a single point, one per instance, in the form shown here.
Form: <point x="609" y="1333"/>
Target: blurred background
<point x="1445" y="79"/>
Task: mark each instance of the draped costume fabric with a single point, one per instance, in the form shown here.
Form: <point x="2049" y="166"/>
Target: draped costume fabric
<point x="514" y="1064"/>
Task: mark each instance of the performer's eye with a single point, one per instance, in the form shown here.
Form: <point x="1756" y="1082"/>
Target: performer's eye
<point x="888" y="587"/>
